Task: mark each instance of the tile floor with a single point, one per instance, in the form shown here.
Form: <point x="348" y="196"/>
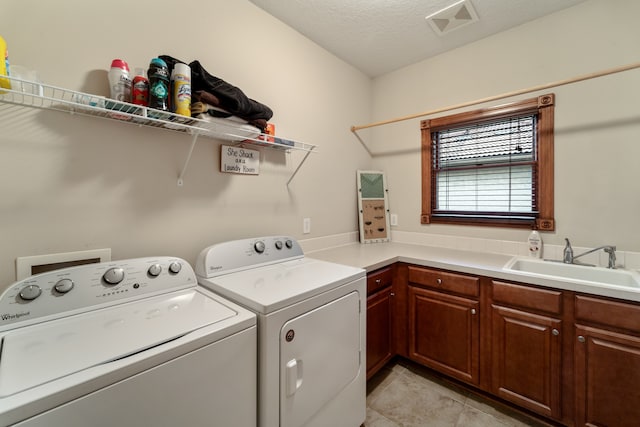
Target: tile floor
<point x="405" y="395"/>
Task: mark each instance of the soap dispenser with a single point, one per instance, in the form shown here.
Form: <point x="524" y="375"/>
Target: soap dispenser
<point x="535" y="243"/>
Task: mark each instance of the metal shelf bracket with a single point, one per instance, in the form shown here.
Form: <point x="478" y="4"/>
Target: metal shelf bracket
<point x="187" y="160"/>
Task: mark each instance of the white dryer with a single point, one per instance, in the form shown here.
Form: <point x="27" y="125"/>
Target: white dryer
<point x="125" y="343"/>
<point x="311" y="329"/>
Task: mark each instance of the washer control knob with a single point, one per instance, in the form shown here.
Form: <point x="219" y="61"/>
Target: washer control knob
<point x="175" y="267"/>
<point x="113" y="276"/>
<point x="63" y="286"/>
<point x="259" y="246"/>
<point x="278" y="244"/>
<point x="30" y="292"/>
<point x="289" y="244"/>
<point x="154" y="270"/>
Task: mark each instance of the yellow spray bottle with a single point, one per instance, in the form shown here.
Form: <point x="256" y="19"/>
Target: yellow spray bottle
<point x="4" y="65"/>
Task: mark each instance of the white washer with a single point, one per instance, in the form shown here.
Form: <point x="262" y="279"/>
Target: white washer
<point x="125" y="343"/>
<point x="311" y="329"/>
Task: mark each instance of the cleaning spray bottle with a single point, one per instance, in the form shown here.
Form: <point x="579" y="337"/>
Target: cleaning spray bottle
<point x="535" y="243"/>
<point x="181" y="89"/>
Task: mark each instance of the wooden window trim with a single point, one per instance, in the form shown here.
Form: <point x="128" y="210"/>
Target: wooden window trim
<point x="544" y="106"/>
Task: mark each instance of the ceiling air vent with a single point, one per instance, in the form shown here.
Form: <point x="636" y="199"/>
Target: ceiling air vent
<point x="452" y="17"/>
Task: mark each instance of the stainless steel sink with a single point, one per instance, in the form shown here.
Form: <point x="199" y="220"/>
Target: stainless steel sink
<point x="575" y="273"/>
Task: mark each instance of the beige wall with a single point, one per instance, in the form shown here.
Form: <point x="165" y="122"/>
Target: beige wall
<point x="73" y="183"/>
<point x="597" y="127"/>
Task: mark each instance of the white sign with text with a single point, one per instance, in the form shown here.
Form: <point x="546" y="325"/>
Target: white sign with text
<point x="239" y="160"/>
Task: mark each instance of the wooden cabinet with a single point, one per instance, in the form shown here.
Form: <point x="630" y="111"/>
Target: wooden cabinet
<point x="526" y="347"/>
<point x="380" y="319"/>
<point x="607" y="362"/>
<point x="574" y="359"/>
<point x="444" y="325"/>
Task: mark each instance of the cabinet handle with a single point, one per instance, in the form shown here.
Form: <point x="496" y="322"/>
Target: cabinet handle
<point x="555" y="332"/>
<point x="473" y="311"/>
<point x="393" y="294"/>
<point x="439" y="281"/>
<point x="378" y="281"/>
<point x="581" y="338"/>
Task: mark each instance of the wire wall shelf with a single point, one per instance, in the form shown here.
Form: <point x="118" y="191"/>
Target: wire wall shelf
<point x="24" y="93"/>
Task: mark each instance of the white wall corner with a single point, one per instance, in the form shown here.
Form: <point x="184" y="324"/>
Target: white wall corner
<point x="327" y="242"/>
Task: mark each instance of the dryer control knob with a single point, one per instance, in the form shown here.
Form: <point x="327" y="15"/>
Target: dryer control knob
<point x="30" y="292"/>
<point x="154" y="270"/>
<point x="289" y="244"/>
<point x="63" y="286"/>
<point x="278" y="244"/>
<point x="175" y="267"/>
<point x="259" y="246"/>
<point x="113" y="276"/>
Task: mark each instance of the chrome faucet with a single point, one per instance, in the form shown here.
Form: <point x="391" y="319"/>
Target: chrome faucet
<point x="568" y="252"/>
<point x="569" y="258"/>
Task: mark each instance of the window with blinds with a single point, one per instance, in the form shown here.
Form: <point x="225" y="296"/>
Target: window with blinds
<point x="490" y="167"/>
<point x="487" y="169"/>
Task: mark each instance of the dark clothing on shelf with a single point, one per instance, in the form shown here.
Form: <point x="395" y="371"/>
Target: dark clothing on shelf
<point x="217" y="92"/>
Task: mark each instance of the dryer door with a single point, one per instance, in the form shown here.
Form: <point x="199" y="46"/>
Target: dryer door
<point x="320" y="355"/>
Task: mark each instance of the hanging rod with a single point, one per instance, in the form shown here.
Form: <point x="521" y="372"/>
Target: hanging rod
<point x="354" y="129"/>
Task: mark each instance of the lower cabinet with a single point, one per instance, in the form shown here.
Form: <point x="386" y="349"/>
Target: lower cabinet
<point x="444" y="328"/>
<point x="526" y="347"/>
<point x="380" y="319"/>
<point x="572" y="358"/>
<point x="607" y="363"/>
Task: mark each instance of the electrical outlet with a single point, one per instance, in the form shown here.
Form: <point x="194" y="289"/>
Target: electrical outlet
<point x="394" y="219"/>
<point x="306" y="225"/>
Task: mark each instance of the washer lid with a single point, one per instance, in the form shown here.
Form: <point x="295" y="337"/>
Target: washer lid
<point x="269" y="288"/>
<point x="41" y="353"/>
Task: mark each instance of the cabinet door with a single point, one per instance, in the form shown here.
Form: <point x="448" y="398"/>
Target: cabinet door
<point x="526" y="359"/>
<point x="607" y="368"/>
<point x="444" y="333"/>
<point x="379" y="327"/>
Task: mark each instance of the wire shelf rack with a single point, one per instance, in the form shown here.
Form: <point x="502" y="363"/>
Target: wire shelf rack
<point x="24" y="93"/>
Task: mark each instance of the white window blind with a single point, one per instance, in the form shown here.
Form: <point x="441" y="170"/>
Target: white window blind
<point x="486" y="169"/>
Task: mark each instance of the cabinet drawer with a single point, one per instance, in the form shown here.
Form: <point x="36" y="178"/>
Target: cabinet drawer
<point x="527" y="297"/>
<point x="379" y="279"/>
<point x="451" y="282"/>
<point x="612" y="313"/>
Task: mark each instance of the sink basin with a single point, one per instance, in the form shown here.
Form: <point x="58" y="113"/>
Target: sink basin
<point x="575" y="273"/>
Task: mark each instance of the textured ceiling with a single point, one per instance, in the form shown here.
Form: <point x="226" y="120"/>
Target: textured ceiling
<point x="379" y="36"/>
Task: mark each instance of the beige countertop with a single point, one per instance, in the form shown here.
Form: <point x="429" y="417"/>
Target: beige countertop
<point x="377" y="255"/>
